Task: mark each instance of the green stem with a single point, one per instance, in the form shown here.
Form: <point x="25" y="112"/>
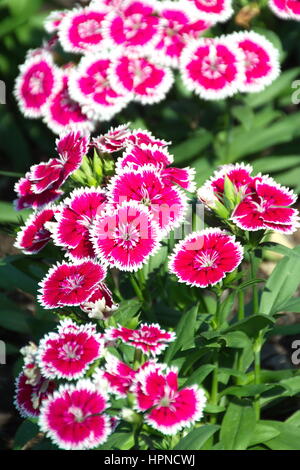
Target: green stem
<point x="214" y="394"/>
<point x="254" y="287"/>
<point x="257" y="378"/>
<point x="136" y="288"/>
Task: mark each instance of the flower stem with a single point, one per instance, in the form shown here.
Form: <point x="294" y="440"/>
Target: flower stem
<point x="254" y="288"/>
<point x="215" y="385"/>
<point x="256" y="350"/>
<point x="136" y="288"/>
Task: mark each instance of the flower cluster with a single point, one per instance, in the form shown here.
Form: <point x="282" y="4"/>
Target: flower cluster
<point x="76" y="380"/>
<point x="119" y="224"/>
<point x="251" y="202"/>
<point x="128" y="50"/>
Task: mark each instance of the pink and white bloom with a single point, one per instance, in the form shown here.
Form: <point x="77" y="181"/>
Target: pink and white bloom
<point x="267" y="207"/>
<point x="134" y="26"/>
<point x="73" y="416"/>
<point x="26" y="198"/>
<point x="177" y="29"/>
<point x="68" y="353"/>
<point x="81" y="30"/>
<point x="34" y="236"/>
<point x="142" y="77"/>
<point x="118" y="375"/>
<point x="63" y="114"/>
<point x="286" y="9"/>
<point x="212" y="68"/>
<point x="150" y="339"/>
<point x="114" y="140"/>
<point x="126" y="236"/>
<point x="240" y="176"/>
<point x="168" y="204"/>
<point x="137" y="156"/>
<point x="204" y="258"/>
<point x="141" y="136"/>
<point x="75" y="219"/>
<point x="90" y="85"/>
<point x="167" y="408"/>
<point x="101" y="304"/>
<point x="36" y="84"/>
<point x="53" y="20"/>
<point x="213" y="10"/>
<point x="70" y="284"/>
<point x="261" y="60"/>
<point x="71" y="148"/>
<point x="28" y="398"/>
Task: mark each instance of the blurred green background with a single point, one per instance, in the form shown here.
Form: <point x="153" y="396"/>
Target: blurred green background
<point x="263" y="129"/>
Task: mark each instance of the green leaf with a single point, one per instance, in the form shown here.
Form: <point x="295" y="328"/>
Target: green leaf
<point x="127" y="309"/>
<point x="251" y="326"/>
<point x="184" y="335"/>
<point x="288" y="438"/>
<point x="196" y="439"/>
<point x="25" y="432"/>
<point x="263" y="432"/>
<point x="294" y="420"/>
<point x="192" y="147"/>
<point x="282" y="284"/>
<point x="118" y="441"/>
<point x="199" y="375"/>
<point x="247" y="390"/>
<point x="9" y="214"/>
<point x="237" y="425"/>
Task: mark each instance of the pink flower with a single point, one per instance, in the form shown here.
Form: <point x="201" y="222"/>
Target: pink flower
<point x="41" y="184"/>
<point x="90" y="86"/>
<point x="204" y="258"/>
<point x="75" y="219"/>
<point x="52" y="174"/>
<point x="147" y="81"/>
<point x="167" y="408"/>
<point x="63" y="114"/>
<point x="68" y="353"/>
<point x="139" y="155"/>
<point x="240" y="176"/>
<point x="135" y="26"/>
<point x="145" y="185"/>
<point x="73" y="416"/>
<point x="141" y="136"/>
<point x="177" y="28"/>
<point x="27" y="198"/>
<point x="28" y="398"/>
<point x="261" y="60"/>
<point x="267" y="207"/>
<point x="34" y="236"/>
<point x="53" y="20"/>
<point x="70" y="284"/>
<point x="126" y="237"/>
<point x="150" y="339"/>
<point x="118" y="375"/>
<point x="286" y="9"/>
<point x="114" y="140"/>
<point x="213" y="68"/>
<point x="81" y="29"/>
<point x="101" y="304"/>
<point x="36" y="84"/>
<point x="214" y="10"/>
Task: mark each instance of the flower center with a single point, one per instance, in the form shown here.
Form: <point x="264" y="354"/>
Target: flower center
<point x="213" y="67"/>
<point x="127" y="236"/>
<point x="89" y="28"/>
<point x="36" y="83"/>
<point x="72" y="283"/>
<point x="133" y="24"/>
<point x="71" y="350"/>
<point x="206" y="259"/>
<point x="251" y="60"/>
<point x="77" y="413"/>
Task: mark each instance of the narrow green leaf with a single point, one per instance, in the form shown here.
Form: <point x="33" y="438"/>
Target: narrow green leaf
<point x="197" y="438"/>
